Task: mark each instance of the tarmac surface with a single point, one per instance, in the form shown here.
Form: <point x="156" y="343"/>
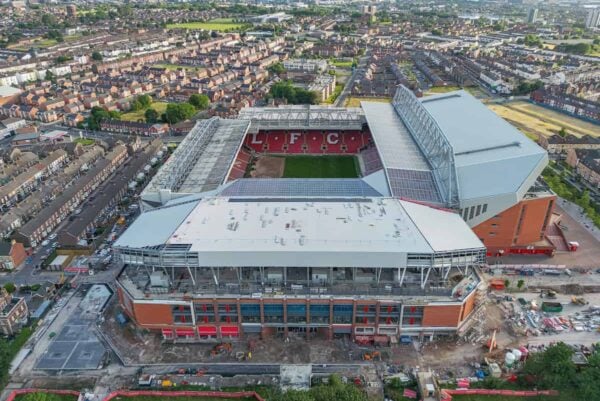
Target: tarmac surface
<point x="76" y="346"/>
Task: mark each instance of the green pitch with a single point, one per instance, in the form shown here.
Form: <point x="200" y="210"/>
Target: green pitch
<point x="321" y="167"/>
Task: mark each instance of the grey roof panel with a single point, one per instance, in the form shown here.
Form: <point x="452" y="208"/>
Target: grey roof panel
<point x="155" y="226"/>
<point x="299" y="187"/>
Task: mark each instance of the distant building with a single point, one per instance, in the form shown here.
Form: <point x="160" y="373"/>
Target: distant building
<point x="13" y="313"/>
<point x="586" y="163"/>
<point x="71" y="10"/>
<point x="370" y="9"/>
<point x="532" y="16"/>
<point x="12" y="254"/>
<point x="593" y="18"/>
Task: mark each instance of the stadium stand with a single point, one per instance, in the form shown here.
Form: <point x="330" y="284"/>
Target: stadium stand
<point x="308" y="142"/>
<point x="371" y="160"/>
<point x="238" y="169"/>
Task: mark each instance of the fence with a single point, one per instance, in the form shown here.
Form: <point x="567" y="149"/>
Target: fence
<point x="447" y="393"/>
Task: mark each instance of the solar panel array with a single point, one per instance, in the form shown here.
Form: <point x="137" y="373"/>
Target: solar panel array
<point x="413" y="184"/>
<point x="299" y="187"/>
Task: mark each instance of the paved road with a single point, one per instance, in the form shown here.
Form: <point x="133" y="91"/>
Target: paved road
<point x="341" y="99"/>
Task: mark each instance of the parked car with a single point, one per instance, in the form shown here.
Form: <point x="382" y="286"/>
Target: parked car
<point x="45" y="242"/>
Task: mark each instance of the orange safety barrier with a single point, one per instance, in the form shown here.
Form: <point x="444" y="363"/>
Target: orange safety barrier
<point x="447" y="393"/>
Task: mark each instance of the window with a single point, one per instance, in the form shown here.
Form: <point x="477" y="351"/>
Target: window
<point x="273" y="313"/>
<point x="319" y="313"/>
<point x="342" y="314"/>
<point x="250" y="313"/>
<point x="471" y="212"/>
<point x="484" y="208"/>
<point x="296" y="313"/>
<point x="478" y="211"/>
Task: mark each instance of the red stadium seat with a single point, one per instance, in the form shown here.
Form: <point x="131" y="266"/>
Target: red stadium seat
<point x="298" y="139"/>
<point x="314" y="140"/>
<point x="334" y="142"/>
<point x="353" y="141"/>
<point x="256" y="141"/>
<point x="276" y="140"/>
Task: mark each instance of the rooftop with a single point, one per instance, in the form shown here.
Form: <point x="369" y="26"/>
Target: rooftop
<point x="357" y="232"/>
<point x="202" y="160"/>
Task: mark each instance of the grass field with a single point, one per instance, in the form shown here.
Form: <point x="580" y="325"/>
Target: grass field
<point x="441" y="89"/>
<point x="355" y="101"/>
<point x="139" y="115"/>
<point x="84" y="141"/>
<point x="341" y="63"/>
<point x="534" y="120"/>
<point x="321" y="167"/>
<point x="218" y="24"/>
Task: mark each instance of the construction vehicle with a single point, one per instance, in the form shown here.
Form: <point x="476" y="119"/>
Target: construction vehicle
<point x="121" y="220"/>
<point x="221" y="348"/>
<point x="166" y="383"/>
<point x="370" y="356"/>
<point x="579" y="300"/>
<point x="548" y="294"/>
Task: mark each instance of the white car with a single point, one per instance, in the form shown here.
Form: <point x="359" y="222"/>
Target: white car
<point x="45" y="242"/>
<point x="52" y="236"/>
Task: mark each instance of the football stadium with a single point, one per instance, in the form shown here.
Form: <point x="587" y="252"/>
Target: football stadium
<point x="367" y="222"/>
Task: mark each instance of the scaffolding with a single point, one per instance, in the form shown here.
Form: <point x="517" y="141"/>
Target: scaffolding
<point x="303" y="117"/>
<point x="432" y="142"/>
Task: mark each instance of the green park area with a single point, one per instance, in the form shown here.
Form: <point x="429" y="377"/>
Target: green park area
<point x="84" y="141"/>
<point x="139" y="115"/>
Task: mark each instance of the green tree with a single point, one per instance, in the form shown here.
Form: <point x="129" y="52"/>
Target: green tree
<point x="507" y="283"/>
<point x="563" y="132"/>
<point x="10" y="287"/>
<point x="553" y="368"/>
<point x="276" y="69"/>
<point x="97" y="56"/>
<point x="49" y="76"/>
<point x="520" y="284"/>
<point x="136" y="105"/>
<point x="151" y="116"/>
<point x="177" y="112"/>
<point x="145" y="101"/>
<point x="200" y="102"/>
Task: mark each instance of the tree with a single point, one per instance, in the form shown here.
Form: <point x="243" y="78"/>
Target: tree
<point x="136" y="105"/>
<point x="507" y="283"/>
<point x="552" y="368"/>
<point x="49" y="76"/>
<point x="562" y="132"/>
<point x="98" y="114"/>
<point x="10" y="287"/>
<point x="285" y="90"/>
<point x="151" y="116"/>
<point x="145" y="101"/>
<point x="177" y="112"/>
<point x="276" y="69"/>
<point x="97" y="56"/>
<point x="520" y="284"/>
<point x="200" y="102"/>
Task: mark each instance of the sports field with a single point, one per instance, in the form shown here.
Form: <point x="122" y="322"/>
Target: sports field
<point x="218" y="24"/>
<point x="320" y="167"/>
<point x="534" y="120"/>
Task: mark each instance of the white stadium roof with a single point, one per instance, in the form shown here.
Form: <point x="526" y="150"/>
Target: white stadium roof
<point x="373" y="232"/>
<point x="492" y="157"/>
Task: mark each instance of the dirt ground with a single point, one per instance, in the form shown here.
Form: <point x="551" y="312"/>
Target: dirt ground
<point x="138" y="346"/>
<point x="268" y="167"/>
<point x="535" y="120"/>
